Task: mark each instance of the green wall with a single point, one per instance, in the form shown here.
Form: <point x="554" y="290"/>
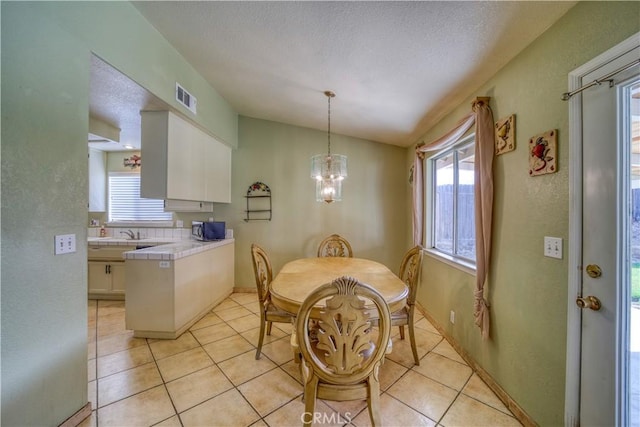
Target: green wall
<point x="44" y="193"/>
<point x="46" y="50"/>
<point x="527" y="292"/>
<point x="279" y="155"/>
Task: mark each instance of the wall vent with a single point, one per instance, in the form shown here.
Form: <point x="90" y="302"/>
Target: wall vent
<point x="185" y="98"/>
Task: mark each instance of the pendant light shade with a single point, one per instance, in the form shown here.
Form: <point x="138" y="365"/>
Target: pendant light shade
<point x="329" y="170"/>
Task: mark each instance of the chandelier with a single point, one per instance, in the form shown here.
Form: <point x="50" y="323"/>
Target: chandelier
<point x="329" y="170"/>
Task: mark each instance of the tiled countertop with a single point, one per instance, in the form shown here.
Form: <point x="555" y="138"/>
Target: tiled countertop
<point x="175" y="251"/>
<point x="117" y="241"/>
<point x="161" y="248"/>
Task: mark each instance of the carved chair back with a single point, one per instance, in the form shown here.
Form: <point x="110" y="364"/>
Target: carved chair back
<point x="409" y="271"/>
<point x="263" y="272"/>
<point x="347" y="350"/>
<point x="335" y="246"/>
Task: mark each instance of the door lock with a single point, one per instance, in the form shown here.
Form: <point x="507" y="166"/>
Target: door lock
<point x="589" y="302"/>
<point x="594" y="271"/>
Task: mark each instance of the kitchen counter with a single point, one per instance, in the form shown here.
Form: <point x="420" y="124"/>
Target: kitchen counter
<point x="158" y="248"/>
<point x="170" y="287"/>
<point x="120" y="241"/>
<point x="173" y="251"/>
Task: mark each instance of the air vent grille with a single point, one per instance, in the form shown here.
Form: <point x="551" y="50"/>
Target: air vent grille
<point x="185" y="98"/>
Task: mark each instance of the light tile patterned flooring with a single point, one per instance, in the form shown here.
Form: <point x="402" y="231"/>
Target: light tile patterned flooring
<point x="209" y="377"/>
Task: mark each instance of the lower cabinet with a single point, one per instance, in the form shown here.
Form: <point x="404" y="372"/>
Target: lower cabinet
<point x="106" y="279"/>
<point x="106" y="272"/>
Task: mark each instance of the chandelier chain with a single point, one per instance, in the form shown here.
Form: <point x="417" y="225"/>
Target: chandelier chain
<point x="329" y="127"/>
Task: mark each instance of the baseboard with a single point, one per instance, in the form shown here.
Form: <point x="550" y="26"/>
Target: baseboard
<point x="511" y="404"/>
<point x="75" y="419"/>
<point x="251" y="290"/>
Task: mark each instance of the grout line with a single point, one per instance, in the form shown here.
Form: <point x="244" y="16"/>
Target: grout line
<point x="164" y="383"/>
<point x="277" y="365"/>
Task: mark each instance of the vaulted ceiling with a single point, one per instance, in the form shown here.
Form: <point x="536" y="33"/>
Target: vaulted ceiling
<point x="396" y="67"/>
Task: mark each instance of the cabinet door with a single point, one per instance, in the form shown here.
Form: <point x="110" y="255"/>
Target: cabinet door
<point x="117" y="277"/>
<point x="185" y="164"/>
<point x="218" y="171"/>
<point x="99" y="279"/>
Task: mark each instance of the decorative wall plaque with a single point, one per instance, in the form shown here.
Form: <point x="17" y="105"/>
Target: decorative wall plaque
<point x="506" y="135"/>
<point x="133" y="162"/>
<point x="543" y="153"/>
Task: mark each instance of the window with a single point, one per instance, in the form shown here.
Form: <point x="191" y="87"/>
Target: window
<point x="125" y="203"/>
<point x="451" y="207"/>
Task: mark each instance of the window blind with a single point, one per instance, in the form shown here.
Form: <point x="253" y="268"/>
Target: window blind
<point x="125" y="203"/>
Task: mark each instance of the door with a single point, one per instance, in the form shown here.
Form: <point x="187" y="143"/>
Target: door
<point x="116" y="271"/>
<point x="610" y="258"/>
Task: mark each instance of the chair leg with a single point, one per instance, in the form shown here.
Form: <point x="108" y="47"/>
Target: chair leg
<point x="373" y="401"/>
<point x="269" y="327"/>
<point x="261" y="338"/>
<point x="310" y="390"/>
<point x="412" y="338"/>
<point x="401" y="327"/>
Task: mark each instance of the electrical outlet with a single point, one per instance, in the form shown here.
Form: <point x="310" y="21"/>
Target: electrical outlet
<point x="65" y="244"/>
<point x="452" y="316"/>
<point x="553" y="247"/>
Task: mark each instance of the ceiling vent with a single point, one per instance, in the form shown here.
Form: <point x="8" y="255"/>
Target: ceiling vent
<point x="185" y="98"/>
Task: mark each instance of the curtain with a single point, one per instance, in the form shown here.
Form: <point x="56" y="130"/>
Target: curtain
<point x="482" y="116"/>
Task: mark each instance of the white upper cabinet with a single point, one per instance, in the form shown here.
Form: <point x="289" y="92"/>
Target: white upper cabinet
<point x="218" y="172"/>
<point x="182" y="162"/>
<point x="97" y="181"/>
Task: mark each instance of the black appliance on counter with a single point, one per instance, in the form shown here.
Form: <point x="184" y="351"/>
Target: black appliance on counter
<point x="208" y="231"/>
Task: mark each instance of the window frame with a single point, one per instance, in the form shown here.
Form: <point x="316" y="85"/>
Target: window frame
<point x="460" y="262"/>
<point x="134" y="222"/>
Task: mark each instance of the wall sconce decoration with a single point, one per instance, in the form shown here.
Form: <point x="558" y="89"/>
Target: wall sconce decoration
<point x="132" y="162"/>
<point x="506" y="135"/>
<point x="543" y="153"/>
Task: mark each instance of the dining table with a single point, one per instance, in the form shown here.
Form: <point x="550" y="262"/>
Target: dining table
<point x="298" y="278"/>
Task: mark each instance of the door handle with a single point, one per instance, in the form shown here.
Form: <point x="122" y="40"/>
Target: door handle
<point x="594" y="271"/>
<point x="589" y="302"/>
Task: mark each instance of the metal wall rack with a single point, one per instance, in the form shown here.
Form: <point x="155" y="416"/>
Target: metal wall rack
<point x="258" y="202"/>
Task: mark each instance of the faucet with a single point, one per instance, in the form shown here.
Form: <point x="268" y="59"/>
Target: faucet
<point x="131" y="234"/>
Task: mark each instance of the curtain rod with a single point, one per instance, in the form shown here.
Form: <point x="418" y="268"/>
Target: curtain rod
<point x="567" y="95"/>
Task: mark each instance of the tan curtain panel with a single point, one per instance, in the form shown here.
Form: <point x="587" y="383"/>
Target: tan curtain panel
<point x="482" y="117"/>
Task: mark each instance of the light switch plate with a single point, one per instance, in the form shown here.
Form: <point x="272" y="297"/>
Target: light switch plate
<point x="65" y="244"/>
<point x="553" y="247"/>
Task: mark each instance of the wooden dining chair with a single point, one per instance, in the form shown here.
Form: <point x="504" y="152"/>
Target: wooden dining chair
<point x="268" y="312"/>
<point x="409" y="270"/>
<point x="341" y="352"/>
<point x="336" y="246"/>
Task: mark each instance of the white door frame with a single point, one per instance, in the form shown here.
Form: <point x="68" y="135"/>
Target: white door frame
<point x="574" y="319"/>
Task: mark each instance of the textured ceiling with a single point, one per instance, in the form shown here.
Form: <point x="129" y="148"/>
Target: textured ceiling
<point x="396" y="67"/>
<point x="116" y="101"/>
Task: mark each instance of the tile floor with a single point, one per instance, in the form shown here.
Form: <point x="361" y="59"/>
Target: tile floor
<point x="209" y="377"/>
